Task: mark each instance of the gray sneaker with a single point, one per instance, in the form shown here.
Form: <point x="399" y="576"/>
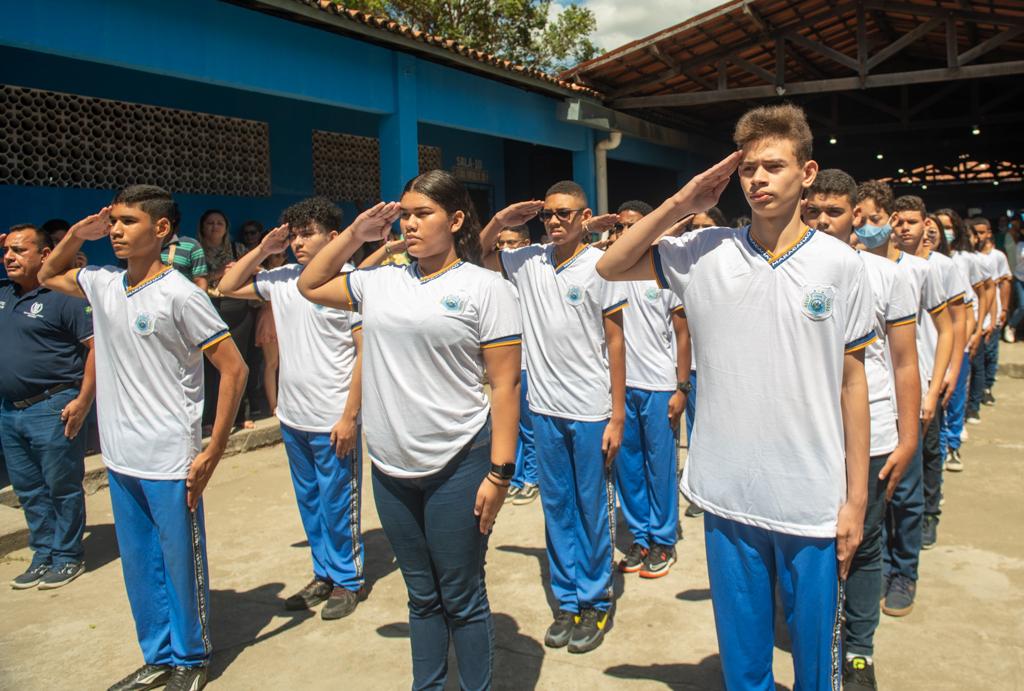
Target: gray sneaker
<point x="560" y="631"/>
<point x="55" y="578"/>
<point x="526" y="495"/>
<point x="954" y="463"/>
<point x="145" y="677"/>
<point x="341" y="603"/>
<point x="589" y="631"/>
<point x="315" y="592"/>
<point x="511" y="494"/>
<point x="899" y="600"/>
<point x="187" y="679"/>
<point x="929" y="532"/>
<point x="31" y="577"/>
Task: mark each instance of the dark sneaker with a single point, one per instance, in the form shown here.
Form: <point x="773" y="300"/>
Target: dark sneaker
<point x="589" y="631"/>
<point x="63" y="575"/>
<point x="692" y="511"/>
<point x="512" y="493"/>
<point x="987" y="398"/>
<point x="634" y="559"/>
<point x="899" y="600"/>
<point x="341" y="603"/>
<point x="315" y="592"/>
<point x="886" y="582"/>
<point x="31" y="577"/>
<point x="560" y="631"/>
<point x="145" y="677"/>
<point x="526" y="495"/>
<point x="929" y="532"/>
<point x="973" y="417"/>
<point x="659" y="562"/>
<point x="859" y="674"/>
<point x="954" y="463"/>
<point x="187" y="679"/>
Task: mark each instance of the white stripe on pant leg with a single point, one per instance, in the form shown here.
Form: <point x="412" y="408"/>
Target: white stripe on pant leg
<point x="197" y="567"/>
<point x="837" y="632"/>
<point x="609" y="486"/>
<point x="354" y="513"/>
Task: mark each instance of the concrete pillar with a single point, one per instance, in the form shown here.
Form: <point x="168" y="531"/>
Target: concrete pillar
<point x="399" y="138"/>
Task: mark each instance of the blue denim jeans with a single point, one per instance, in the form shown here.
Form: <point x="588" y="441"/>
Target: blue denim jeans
<point x="904" y="515"/>
<point x="865" y="579"/>
<point x="46" y="471"/>
<point x="440" y="550"/>
<point x="991" y="358"/>
<point x="1018" y="313"/>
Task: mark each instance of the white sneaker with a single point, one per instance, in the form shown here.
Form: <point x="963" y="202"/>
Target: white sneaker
<point x="964" y="436"/>
<point x="1010" y="334"/>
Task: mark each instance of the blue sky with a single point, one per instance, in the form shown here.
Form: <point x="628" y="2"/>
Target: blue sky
<point x="620" y="22"/>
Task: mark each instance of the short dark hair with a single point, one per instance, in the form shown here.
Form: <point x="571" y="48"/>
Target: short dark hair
<point x="522" y="231"/>
<point x="717" y="216"/>
<point x="43" y="239"/>
<point x="833" y="182"/>
<point x="569" y="187"/>
<point x="977" y="221"/>
<point x="642" y="208"/>
<point x="910" y="202"/>
<point x="314" y="209"/>
<point x="741" y="221"/>
<point x="878" y="192"/>
<point x="154" y="201"/>
<point x="55" y="225"/>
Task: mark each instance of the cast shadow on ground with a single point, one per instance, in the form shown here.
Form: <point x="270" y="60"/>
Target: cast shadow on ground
<point x="705" y="675"/>
<point x="517" y="657"/>
<point x="541" y="555"/>
<point x="100" y="545"/>
<point x="695" y="595"/>
<point x="378" y="561"/>
<point x="238" y="620"/>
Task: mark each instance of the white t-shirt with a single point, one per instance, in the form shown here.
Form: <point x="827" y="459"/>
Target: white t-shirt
<point x="998" y="270"/>
<point x="770" y="333"/>
<point x="650" y="336"/>
<point x="894" y="304"/>
<point x="563" y="310"/>
<point x="954" y="289"/>
<point x="1018" y="267"/>
<point x="931" y="300"/>
<point x="423" y="367"/>
<point x="973" y="272"/>
<point x="149" y="369"/>
<point x="318" y="353"/>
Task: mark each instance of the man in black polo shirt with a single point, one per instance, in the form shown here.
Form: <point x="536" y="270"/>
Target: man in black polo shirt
<point x="47" y="384"/>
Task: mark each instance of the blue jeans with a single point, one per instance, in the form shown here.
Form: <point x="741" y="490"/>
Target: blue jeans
<point x="991" y="358"/>
<point x="1018" y="313"/>
<point x="953" y="420"/>
<point x="976" y="382"/>
<point x="865" y="579"/>
<point x="46" y="471"/>
<point x="328" y="490"/>
<point x="526" y="451"/>
<point x="440" y="550"/>
<point x="904" y="515"/>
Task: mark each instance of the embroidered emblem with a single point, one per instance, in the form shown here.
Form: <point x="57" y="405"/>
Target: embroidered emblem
<point x="452" y="303"/>
<point x="144" y="324"/>
<point x="574" y="295"/>
<point x="652" y="294"/>
<point x="818" y="302"/>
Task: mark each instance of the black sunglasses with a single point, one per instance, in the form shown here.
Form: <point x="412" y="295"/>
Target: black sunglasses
<point x="546" y="215"/>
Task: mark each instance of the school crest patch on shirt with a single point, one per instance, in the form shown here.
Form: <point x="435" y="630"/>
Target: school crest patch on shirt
<point x="818" y="302"/>
<point x="652" y="294"/>
<point x="574" y="295"/>
<point x="144" y="323"/>
<point x="452" y="303"/>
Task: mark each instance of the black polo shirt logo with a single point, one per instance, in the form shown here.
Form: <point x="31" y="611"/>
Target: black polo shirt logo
<point x="35" y="311"/>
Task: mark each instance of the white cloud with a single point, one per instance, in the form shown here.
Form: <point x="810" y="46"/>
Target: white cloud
<point x="620" y="22"/>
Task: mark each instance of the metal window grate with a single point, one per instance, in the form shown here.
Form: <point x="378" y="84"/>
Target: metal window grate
<point x="64" y="140"/>
<point x="347" y="166"/>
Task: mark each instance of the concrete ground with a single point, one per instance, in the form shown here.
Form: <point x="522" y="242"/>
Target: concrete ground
<point x="965" y="632"/>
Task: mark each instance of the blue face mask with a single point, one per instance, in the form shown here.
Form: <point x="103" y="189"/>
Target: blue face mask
<point x="873" y="236"/>
<point x="950" y="236"/>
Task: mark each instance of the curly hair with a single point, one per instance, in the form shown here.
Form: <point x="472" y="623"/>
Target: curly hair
<point x="451" y="195"/>
<point x="319" y="210"/>
<point x="878" y="192"/>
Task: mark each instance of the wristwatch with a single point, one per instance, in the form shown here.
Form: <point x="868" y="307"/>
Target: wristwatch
<point x="684" y="386"/>
<point x="505" y="471"/>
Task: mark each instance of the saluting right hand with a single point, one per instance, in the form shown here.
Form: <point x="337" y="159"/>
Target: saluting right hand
<point x="374" y="223"/>
<point x="519" y="213"/>
<point x="276" y="241"/>
<point x="93" y="227"/>
<point x="703" y="191"/>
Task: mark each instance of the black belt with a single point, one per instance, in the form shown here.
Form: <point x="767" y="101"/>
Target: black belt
<point x="49" y="393"/>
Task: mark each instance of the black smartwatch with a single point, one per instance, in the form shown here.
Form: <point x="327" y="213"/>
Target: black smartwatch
<point x="684" y="386"/>
<point x="505" y="471"/>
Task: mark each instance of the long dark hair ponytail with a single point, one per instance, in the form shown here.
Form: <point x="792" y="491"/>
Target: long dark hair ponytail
<point x="961" y="235"/>
<point x="451" y="195"/>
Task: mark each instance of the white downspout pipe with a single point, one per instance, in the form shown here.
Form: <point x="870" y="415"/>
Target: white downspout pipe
<point x="601" y="150"/>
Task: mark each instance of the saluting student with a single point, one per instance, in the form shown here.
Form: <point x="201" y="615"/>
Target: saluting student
<point x="657" y="385"/>
<point x="782" y="511"/>
<point x="152" y="328"/>
<point x="575" y="358"/>
<point x="318" y="403"/>
<point x="442" y="455"/>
